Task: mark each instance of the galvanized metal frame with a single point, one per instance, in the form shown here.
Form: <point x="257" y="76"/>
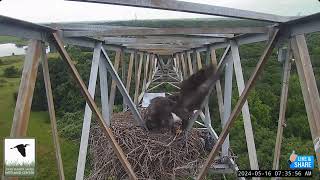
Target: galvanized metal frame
<point x="88" y="113"/>
<point x="283" y="105"/>
<point x="245" y="110"/>
<point x="51" y="109"/>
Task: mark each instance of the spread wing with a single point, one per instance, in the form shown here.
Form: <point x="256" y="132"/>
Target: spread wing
<point x="194" y="89"/>
<point x="193" y="92"/>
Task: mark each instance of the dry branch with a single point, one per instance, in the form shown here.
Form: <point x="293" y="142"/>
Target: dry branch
<point x="153" y="155"/>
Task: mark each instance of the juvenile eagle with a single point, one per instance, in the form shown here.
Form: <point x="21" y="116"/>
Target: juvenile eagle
<point x="21" y="148"/>
<point x="165" y="111"/>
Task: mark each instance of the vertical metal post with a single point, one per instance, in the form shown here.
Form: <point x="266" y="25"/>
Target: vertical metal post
<point x="189" y="63"/>
<point x="227" y="102"/>
<point x="150" y="70"/>
<point x="309" y="88"/>
<point x="179" y="72"/>
<point x="129" y="74"/>
<point x="123" y="76"/>
<point x="184" y="67"/>
<point x="245" y="109"/>
<point x="199" y="61"/>
<point x="88" y="113"/>
<point x="24" y="100"/>
<point x="113" y="84"/>
<point x="175" y="62"/>
<point x="283" y="106"/>
<point x="104" y="90"/>
<point x="194" y="61"/>
<point x="207" y="114"/>
<point x="136" y="93"/>
<point x="145" y="74"/>
<point x="52" y="113"/>
<point x="207" y="109"/>
<point x="218" y="84"/>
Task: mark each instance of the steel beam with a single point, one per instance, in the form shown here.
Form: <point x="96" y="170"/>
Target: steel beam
<point x="161" y="39"/>
<point x="113" y="84"/>
<point x="154" y="87"/>
<point x="245" y="109"/>
<point x="88" y="113"/>
<point x="23" y="29"/>
<point x="283" y="106"/>
<point x="150" y="76"/>
<point x="24" y="100"/>
<point x="52" y="113"/>
<point x="178" y="68"/>
<point x="138" y="79"/>
<point x="189" y="63"/>
<point x="145" y="74"/>
<point x="123" y="76"/>
<point x="218" y="84"/>
<point x="309" y="88"/>
<point x="263" y="59"/>
<point x="194" y="61"/>
<point x="199" y="62"/>
<point x="108" y="132"/>
<point x="184" y="67"/>
<point x="241" y="40"/>
<point x="167" y="31"/>
<point x="227" y="103"/>
<point x="130" y="72"/>
<point x="194" y="8"/>
<point x="104" y="91"/>
<point x="304" y="25"/>
<point x="90" y="26"/>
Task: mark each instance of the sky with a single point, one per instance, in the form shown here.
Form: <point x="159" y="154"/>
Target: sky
<point x="40" y="11"/>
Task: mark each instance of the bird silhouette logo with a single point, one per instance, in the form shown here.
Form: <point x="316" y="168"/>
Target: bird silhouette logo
<point x="21" y="148"/>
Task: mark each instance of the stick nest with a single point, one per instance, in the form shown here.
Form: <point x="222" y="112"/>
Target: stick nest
<point x="152" y="155"/>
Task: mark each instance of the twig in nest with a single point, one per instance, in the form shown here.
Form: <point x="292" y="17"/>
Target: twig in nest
<point x="152" y="155"/>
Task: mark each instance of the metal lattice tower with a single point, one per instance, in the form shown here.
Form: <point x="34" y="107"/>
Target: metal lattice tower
<point x="182" y="47"/>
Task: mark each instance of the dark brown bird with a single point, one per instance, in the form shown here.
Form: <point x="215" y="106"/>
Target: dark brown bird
<point x="21" y="148"/>
<point x="165" y="111"/>
<point x="159" y="113"/>
<point x="193" y="92"/>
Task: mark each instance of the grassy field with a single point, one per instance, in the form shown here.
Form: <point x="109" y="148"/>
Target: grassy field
<point x="39" y="127"/>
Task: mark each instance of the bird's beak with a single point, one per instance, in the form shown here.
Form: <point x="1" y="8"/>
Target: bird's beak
<point x="175" y="117"/>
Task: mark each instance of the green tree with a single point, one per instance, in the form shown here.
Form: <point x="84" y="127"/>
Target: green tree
<point x="11" y="72"/>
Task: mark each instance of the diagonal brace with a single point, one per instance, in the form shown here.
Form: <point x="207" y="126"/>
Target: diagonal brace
<point x="108" y="132"/>
<point x="235" y="113"/>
